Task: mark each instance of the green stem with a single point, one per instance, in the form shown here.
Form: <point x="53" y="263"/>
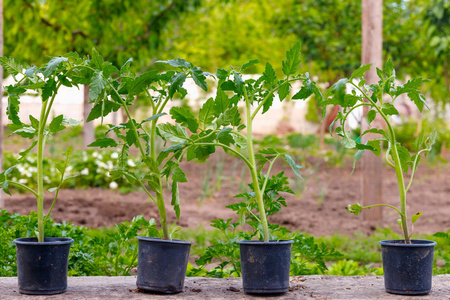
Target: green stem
<point x="416" y="161"/>
<point x="17" y="184"/>
<point x="268" y="174"/>
<point x="254" y="172"/>
<point x="386" y="205"/>
<point x="397" y="166"/>
<point x="53" y="204"/>
<point x="40" y="174"/>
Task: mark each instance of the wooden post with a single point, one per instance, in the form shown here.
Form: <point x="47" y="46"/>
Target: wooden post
<point x="88" y="128"/>
<point x="372" y="49"/>
<point x="2" y="198"/>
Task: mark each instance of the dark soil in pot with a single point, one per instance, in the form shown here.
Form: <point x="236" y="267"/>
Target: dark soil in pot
<point x="408" y="268"/>
<point x="162" y="265"/>
<point x="42" y="267"/>
<point x="265" y="266"/>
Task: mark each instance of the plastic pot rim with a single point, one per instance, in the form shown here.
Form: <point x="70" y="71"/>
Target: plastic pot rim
<point x="48" y="241"/>
<point x="418" y="244"/>
<point x="269" y="243"/>
<point x="159" y="240"/>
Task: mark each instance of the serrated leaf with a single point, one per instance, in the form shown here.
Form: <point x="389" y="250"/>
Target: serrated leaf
<point x="178" y="63"/>
<point x="52" y="65"/>
<point x="199" y="78"/>
<point x="104" y="143"/>
<point x="176" y="82"/>
<point x="267" y="104"/>
<point x="97" y="59"/>
<point x="139" y="84"/>
<point x="283" y="91"/>
<point x="30" y="71"/>
<point x="292" y="62"/>
<point x="269" y="75"/>
<point x="96" y="86"/>
<point x="11" y="65"/>
<point x="360" y="71"/>
<point x="305" y="91"/>
<point x="102" y="109"/>
<point x="172" y="132"/>
<point x="348" y="142"/>
<point x="178" y="175"/>
<point x="249" y="64"/>
<point x="404" y="156"/>
<point x="225" y="137"/>
<point x="55" y="124"/>
<point x="338" y="89"/>
<point x="176" y="199"/>
<point x="371" y="114"/>
<point x="389" y="109"/>
<point x="206" y="113"/>
<point x="184" y="117"/>
<point x="239" y="82"/>
<point x="154" y="117"/>
<point x="221" y="103"/>
<point x="293" y="165"/>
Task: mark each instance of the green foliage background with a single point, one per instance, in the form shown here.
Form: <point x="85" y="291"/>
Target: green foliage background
<point x="219" y="33"/>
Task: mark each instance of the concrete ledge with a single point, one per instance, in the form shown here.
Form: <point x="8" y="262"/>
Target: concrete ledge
<point x="302" y="287"/>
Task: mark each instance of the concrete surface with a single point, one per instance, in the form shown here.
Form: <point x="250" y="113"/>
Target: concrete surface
<point x="302" y="287"/>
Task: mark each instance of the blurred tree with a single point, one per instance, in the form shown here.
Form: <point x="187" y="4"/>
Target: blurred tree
<point x="119" y="29"/>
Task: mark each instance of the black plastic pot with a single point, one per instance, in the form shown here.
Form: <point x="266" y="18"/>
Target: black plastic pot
<point x="265" y="266"/>
<point x="408" y="268"/>
<point x="162" y="265"/>
<point x="42" y="267"/>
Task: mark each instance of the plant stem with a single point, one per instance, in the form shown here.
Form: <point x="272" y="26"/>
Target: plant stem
<point x="17" y="184"/>
<point x="254" y="172"/>
<point x="40" y="174"/>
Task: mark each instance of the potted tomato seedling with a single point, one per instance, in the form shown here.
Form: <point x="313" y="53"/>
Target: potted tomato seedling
<point x="407" y="263"/>
<point x="162" y="261"/>
<point x="41" y="261"/>
<point x="265" y="262"/>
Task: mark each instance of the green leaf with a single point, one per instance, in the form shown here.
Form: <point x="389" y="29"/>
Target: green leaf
<point x="249" y="64"/>
<point x="356" y="158"/>
<point x="206" y="113"/>
<point x="96" y="86"/>
<point x="239" y="83"/>
<point x="371" y="114"/>
<point x="225" y="137"/>
<point x="355" y="208"/>
<point x="230" y="116"/>
<point x="139" y="84"/>
<point x="283" y="91"/>
<point x="269" y="75"/>
<point x="171" y="132"/>
<point x="348" y="142"/>
<point x="52" y="65"/>
<point x="178" y="175"/>
<point x="292" y="62"/>
<point x="126" y="66"/>
<point x="176" y="82"/>
<point x="176" y="199"/>
<point x="178" y="63"/>
<point x="389" y="109"/>
<point x="268" y="104"/>
<point x="184" y="117"/>
<point x="221" y="103"/>
<point x="376" y="146"/>
<point x="305" y="91"/>
<point x="338" y="89"/>
<point x="12" y="110"/>
<point x="11" y="65"/>
<point x="176" y="228"/>
<point x="97" y="59"/>
<point x="389" y="67"/>
<point x="55" y="124"/>
<point x="104" y="143"/>
<point x="293" y="165"/>
<point x="51" y="190"/>
<point x="199" y="78"/>
<point x="154" y="117"/>
<point x="30" y="71"/>
<point x="360" y="71"/>
<point x="102" y="109"/>
<point x="48" y="89"/>
<point x="405" y="157"/>
<point x="415" y="217"/>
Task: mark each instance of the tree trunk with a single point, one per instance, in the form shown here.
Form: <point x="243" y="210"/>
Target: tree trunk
<point x="88" y="129"/>
<point x="372" y="46"/>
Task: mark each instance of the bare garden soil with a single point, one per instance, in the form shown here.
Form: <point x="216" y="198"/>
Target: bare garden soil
<point x="317" y="209"/>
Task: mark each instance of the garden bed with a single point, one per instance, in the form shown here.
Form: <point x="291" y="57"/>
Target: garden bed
<point x="302" y="287"/>
<point x="319" y="209"/>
